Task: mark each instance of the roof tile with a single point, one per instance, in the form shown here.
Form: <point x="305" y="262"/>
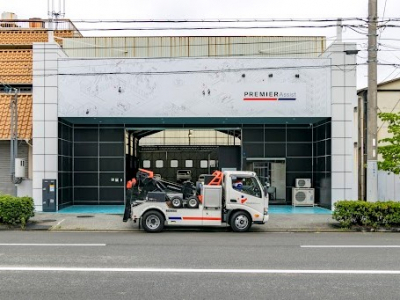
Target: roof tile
<point x="24" y="116"/>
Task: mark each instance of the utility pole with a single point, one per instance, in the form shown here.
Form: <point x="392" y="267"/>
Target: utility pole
<point x="372" y="141"/>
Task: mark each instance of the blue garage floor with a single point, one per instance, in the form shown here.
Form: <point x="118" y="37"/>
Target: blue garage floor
<point x="93" y="209"/>
<point x="119" y="209"/>
<point x="288" y="209"/>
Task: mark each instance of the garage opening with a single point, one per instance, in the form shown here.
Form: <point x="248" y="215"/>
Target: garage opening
<point x="182" y="154"/>
<point x="97" y="159"/>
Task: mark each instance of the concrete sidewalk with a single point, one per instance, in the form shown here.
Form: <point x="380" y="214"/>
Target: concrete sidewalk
<point x="113" y="222"/>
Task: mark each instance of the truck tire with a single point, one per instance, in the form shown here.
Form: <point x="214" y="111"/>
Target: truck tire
<point x="193" y="202"/>
<point x="176" y="202"/>
<point x="240" y="221"/>
<point x="153" y="221"/>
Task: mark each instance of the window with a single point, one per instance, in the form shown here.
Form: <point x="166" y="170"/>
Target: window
<point x="203" y="164"/>
<point x="213" y="163"/>
<point x="174" y="163"/>
<point x="159" y="163"/>
<point x="146" y="164"/>
<point x="189" y="163"/>
<point x="247" y="186"/>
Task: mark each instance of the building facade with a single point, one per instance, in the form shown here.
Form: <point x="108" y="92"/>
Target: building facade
<point x="293" y="112"/>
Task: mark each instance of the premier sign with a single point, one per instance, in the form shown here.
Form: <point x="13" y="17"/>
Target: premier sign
<point x="269" y="96"/>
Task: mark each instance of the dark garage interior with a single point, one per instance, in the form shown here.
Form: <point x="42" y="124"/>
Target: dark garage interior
<point x="96" y="160"/>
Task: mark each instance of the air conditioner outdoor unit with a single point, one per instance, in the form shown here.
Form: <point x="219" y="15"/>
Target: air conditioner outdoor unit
<point x="302" y="197"/>
<point x="303" y="183"/>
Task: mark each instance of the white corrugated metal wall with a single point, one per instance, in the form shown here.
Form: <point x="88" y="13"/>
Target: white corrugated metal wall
<point x="263" y="46"/>
<point x="190" y="137"/>
<point x="388" y="186"/>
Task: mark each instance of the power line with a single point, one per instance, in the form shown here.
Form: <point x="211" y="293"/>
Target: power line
<point x="212" y="71"/>
<point x="211" y="20"/>
<point x="220" y="28"/>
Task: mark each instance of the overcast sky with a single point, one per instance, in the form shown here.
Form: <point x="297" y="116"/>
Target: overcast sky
<point x="223" y="9"/>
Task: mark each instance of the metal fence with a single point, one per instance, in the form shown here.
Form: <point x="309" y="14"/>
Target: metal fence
<point x="388" y="186"/>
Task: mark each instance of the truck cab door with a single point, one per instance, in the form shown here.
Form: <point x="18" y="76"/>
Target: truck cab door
<point x="248" y="194"/>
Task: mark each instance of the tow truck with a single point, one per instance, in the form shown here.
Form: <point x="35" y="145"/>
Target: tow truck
<point x="218" y="202"/>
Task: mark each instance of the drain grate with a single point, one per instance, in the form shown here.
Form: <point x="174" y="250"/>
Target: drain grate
<point x="85" y="216"/>
<point x="47" y="220"/>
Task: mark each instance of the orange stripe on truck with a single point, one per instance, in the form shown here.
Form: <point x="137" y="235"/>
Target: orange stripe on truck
<point x="201" y="218"/>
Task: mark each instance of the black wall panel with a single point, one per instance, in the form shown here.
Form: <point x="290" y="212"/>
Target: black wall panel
<point x="274" y="150"/>
<point x="64" y="182"/>
<point x="85" y="164"/>
<point x="111" y="135"/>
<point x="299" y="149"/>
<point x="86" y="149"/>
<point x="111" y="149"/>
<point x="275" y="134"/>
<point x="111" y="164"/>
<point x="98" y="163"/>
<point x="253" y="149"/>
<point x="306" y="148"/>
<point x="85" y="134"/>
<point x="86" y="179"/>
<point x="111" y="194"/>
<point x="85" y="193"/>
<point x="322" y="162"/>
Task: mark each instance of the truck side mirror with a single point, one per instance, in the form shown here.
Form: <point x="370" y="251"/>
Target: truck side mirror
<point x="265" y="190"/>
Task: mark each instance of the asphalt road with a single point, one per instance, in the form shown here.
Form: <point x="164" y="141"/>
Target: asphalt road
<point x="199" y="265"/>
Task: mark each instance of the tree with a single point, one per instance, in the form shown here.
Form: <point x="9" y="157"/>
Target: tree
<point x="390" y="151"/>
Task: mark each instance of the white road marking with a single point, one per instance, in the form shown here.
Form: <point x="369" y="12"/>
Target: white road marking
<point x="56" y="245"/>
<point x="350" y="246"/>
<point x="58" y="224"/>
<point x="227" y="271"/>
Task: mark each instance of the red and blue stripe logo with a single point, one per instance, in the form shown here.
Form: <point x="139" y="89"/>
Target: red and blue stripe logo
<point x="194" y="218"/>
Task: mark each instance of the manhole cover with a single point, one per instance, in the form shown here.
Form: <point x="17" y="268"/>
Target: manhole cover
<point x="85" y="216"/>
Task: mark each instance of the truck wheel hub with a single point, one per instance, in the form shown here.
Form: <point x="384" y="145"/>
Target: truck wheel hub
<point x="241" y="222"/>
<point x="153" y="222"/>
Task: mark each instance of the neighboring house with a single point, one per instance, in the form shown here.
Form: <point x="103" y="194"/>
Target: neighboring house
<point x="388" y="101"/>
<point x="16" y="39"/>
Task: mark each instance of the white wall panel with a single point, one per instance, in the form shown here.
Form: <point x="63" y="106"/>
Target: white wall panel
<point x="193" y="88"/>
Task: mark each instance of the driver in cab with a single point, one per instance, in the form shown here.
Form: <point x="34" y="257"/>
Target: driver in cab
<point x="237" y="184"/>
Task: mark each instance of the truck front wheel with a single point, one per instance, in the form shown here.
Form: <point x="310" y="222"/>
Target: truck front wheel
<point x="240" y="221"/>
<point x="153" y="221"/>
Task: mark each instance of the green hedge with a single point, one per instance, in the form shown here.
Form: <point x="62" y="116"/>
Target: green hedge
<point x="368" y="214"/>
<point x="16" y="210"/>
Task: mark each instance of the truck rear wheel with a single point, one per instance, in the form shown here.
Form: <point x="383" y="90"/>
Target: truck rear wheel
<point x="153" y="221"/>
<point x="240" y="221"/>
<point x="193" y="202"/>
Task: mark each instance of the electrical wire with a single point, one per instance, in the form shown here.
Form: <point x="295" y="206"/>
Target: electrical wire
<point x="300" y="67"/>
<point x="211" y="20"/>
<point x="220" y="28"/>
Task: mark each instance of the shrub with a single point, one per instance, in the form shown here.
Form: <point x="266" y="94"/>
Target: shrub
<point x="370" y="214"/>
<point x="16" y="210"/>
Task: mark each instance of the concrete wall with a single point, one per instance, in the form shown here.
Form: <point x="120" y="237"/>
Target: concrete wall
<point x="344" y="99"/>
<point x="45" y="116"/>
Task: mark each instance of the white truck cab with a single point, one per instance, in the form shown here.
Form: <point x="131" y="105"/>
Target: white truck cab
<point x="231" y="198"/>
